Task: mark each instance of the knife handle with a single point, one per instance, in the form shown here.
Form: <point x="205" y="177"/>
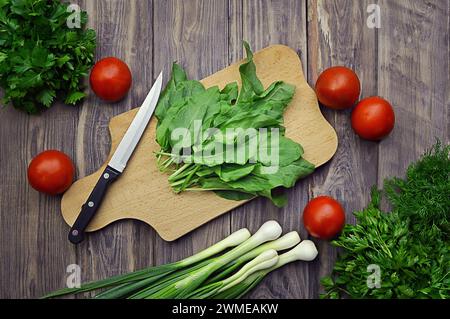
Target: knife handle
<point x="88" y="210"/>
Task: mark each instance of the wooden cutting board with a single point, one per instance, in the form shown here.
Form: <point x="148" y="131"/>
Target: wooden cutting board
<point x="143" y="193"/>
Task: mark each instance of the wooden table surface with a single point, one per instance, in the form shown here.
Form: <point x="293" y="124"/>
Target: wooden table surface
<point x="406" y="61"/>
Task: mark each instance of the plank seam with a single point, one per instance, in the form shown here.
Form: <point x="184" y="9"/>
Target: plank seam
<point x="152" y="6"/>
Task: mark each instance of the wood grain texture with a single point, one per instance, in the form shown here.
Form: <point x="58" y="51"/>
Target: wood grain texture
<point x="28" y="221"/>
<point x="350" y="174"/>
<point x="265" y="23"/>
<point x="406" y="61"/>
<point x="123" y="31"/>
<point x="173" y="215"/>
<point x="197" y="37"/>
<point x="413" y="74"/>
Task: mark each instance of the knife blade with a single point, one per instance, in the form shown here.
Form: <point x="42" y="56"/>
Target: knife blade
<point x="118" y="162"/>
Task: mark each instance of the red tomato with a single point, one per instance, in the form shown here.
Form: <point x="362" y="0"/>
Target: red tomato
<point x="338" y="88"/>
<point x="323" y="217"/>
<point x="373" y="118"/>
<point x="110" y="79"/>
<point x="51" y="172"/>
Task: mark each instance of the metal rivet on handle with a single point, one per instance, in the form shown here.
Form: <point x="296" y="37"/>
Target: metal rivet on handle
<point x="106" y="176"/>
<point x="75" y="232"/>
<point x="91" y="204"/>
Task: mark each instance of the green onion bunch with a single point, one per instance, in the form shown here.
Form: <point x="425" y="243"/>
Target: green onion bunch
<point x="228" y="269"/>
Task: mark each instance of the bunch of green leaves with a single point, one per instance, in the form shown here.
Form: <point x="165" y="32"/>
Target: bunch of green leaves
<point x="409" y="244"/>
<point x="209" y="165"/>
<point x="40" y="56"/>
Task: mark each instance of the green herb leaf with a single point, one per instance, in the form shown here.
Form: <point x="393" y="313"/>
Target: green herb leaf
<point x="46" y="97"/>
<point x="222" y="155"/>
<point x="409" y="244"/>
<point x="41" y="57"/>
<point x="74" y="97"/>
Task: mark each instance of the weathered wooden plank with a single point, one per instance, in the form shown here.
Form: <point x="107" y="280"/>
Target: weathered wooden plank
<point x="124" y="30"/>
<point x="409" y="59"/>
<point x="193" y="33"/>
<point x="265" y="23"/>
<point x="34" y="248"/>
<point x="235" y="25"/>
<point x="32" y="231"/>
<point x="413" y="73"/>
<point x="338" y="35"/>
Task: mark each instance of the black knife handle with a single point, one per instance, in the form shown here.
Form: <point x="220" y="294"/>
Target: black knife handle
<point x="88" y="210"/>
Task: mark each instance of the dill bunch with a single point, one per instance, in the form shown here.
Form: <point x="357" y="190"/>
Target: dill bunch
<point x="409" y="244"/>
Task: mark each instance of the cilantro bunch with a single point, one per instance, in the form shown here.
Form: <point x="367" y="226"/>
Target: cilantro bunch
<point x="410" y="245"/>
<point x="41" y="58"/>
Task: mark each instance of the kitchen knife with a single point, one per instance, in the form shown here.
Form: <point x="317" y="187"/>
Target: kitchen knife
<point x="117" y="163"/>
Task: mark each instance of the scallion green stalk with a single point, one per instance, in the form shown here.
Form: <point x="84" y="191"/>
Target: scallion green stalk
<point x="166" y="281"/>
<point x="270" y="230"/>
<point x="134" y="288"/>
<point x="153" y="274"/>
<point x="264" y="260"/>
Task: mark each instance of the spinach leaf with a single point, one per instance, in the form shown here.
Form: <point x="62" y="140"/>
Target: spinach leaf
<point x="178" y="88"/>
<point x="234" y="151"/>
<point x="285" y="176"/>
<point x="229" y="93"/>
<point x="286" y="149"/>
<point x="251" y="85"/>
<point x="233" y="172"/>
<point x="235" y="195"/>
<point x="250" y="119"/>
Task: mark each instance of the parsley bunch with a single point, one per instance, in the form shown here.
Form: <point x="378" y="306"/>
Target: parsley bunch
<point x="40" y="56"/>
<point x="410" y="244"/>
